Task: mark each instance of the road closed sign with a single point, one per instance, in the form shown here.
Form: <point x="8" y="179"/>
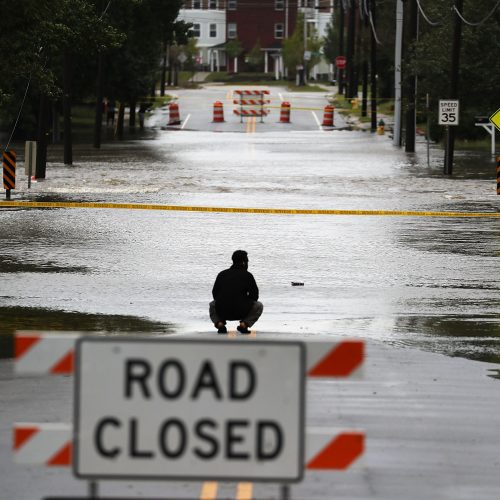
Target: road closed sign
<point x="189" y="409"/>
<point x="448" y="112"/>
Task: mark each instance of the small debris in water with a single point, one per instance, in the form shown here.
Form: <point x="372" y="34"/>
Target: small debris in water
<point x="297" y="283"/>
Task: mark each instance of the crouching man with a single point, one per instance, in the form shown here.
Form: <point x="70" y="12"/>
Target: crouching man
<point x="236" y="295"/>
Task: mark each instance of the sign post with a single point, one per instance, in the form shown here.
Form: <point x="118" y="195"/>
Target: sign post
<point x="29" y="159"/>
<point x="448" y="116"/>
<point x="185" y="409"/>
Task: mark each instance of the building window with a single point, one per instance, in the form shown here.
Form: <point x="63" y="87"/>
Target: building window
<point x="231" y="30"/>
<point x="212" y="4"/>
<point x="196" y="30"/>
<point x="196" y="4"/>
<point x="231" y="4"/>
<point x="213" y="30"/>
<point x="279" y="5"/>
<point x="278" y="30"/>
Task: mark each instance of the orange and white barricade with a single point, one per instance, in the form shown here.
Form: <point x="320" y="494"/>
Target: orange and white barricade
<point x="39" y="353"/>
<point x="285" y="112"/>
<point x="50" y="444"/>
<point x="333" y="450"/>
<point x="328" y="116"/>
<point x="218" y="112"/>
<point x="43" y="444"/>
<point x="251" y="103"/>
<point x="174" y="114"/>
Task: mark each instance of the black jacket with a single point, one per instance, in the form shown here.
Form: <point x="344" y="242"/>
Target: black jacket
<point x="234" y="292"/>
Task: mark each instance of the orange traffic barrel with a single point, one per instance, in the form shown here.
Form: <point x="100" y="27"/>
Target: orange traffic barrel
<point x="218" y="111"/>
<point x="285" y="112"/>
<point x="328" y="116"/>
<point x="174" y="116"/>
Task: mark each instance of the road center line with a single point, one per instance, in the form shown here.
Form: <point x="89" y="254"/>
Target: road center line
<point x="209" y="490"/>
<point x="244" y="491"/>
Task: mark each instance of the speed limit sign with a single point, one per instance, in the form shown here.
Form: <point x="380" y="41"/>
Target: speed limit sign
<point x="448" y="112"/>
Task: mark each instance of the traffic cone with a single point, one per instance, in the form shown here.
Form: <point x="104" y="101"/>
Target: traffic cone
<point x="174" y="116"/>
<point x="328" y="116"/>
<point x="285" y="112"/>
<point x="218" y="112"/>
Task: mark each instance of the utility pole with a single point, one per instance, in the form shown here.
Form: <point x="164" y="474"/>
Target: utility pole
<point x="411" y="84"/>
<point x="41" y="156"/>
<point x="396" y="139"/>
<point x="98" y="102"/>
<point x="373" y="69"/>
<point x="340" y="75"/>
<point x="455" y="61"/>
<point x="351" y="27"/>
<point x="364" y="64"/>
<point x="67" y="77"/>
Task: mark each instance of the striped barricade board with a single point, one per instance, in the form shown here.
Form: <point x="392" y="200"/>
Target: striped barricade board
<point x="252" y="102"/>
<point x="39" y="353"/>
<point x="108" y="420"/>
<point x="52" y="445"/>
<point x="251" y="112"/>
<point x="9" y="170"/>
<point x="252" y="92"/>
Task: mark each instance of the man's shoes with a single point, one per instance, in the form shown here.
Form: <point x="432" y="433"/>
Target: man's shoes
<point x="243" y="329"/>
<point x="221" y="327"/>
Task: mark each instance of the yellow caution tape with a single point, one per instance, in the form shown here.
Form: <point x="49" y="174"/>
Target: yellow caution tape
<point x="241" y="210"/>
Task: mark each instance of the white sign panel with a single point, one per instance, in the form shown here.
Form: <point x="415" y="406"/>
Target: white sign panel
<point x="30" y="157"/>
<point x="448" y="112"/>
<point x="189" y="409"/>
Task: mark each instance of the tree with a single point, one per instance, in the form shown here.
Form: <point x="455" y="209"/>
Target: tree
<point x="478" y="83"/>
<point x="255" y="57"/>
<point x="48" y="34"/>
<point x="331" y="42"/>
<point x="293" y="47"/>
<point x="180" y="33"/>
<point x="314" y="46"/>
<point x="234" y="50"/>
<point x="165" y="14"/>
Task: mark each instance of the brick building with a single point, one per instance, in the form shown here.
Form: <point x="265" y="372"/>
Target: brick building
<point x="264" y="22"/>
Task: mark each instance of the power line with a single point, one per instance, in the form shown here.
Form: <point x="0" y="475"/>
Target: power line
<point x="18" y="114"/>
<point x="374" y="31"/>
<point x="482" y="20"/>
<point x="105" y="10"/>
<point x="432" y="23"/>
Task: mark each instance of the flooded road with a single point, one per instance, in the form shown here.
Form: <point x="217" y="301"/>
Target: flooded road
<point x="414" y="287"/>
<point x="431" y="282"/>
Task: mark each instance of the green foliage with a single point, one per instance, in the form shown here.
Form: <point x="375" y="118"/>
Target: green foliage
<point x="36" y="34"/>
<point x="293" y="47"/>
<point x="314" y="46"/>
<point x="234" y="48"/>
<point x="479" y="79"/>
<point x="331" y="41"/>
<point x="255" y="57"/>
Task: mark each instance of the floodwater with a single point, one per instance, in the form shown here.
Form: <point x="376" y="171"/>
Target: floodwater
<point x="427" y="282"/>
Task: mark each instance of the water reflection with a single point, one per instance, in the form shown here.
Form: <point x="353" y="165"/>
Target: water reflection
<point x="472" y="337"/>
<point x="24" y="318"/>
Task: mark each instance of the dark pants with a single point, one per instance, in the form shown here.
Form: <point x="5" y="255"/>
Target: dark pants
<point x="251" y="317"/>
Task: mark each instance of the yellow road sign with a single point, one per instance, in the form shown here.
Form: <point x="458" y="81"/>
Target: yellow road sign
<point x="495" y="119"/>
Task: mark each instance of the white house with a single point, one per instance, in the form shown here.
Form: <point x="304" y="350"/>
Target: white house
<point x="209" y="29"/>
